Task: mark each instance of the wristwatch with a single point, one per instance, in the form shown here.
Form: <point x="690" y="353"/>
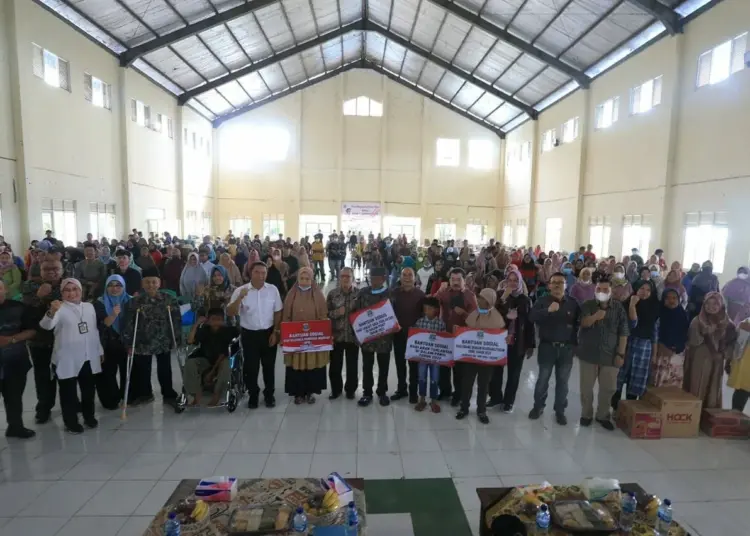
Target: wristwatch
<point x="13" y="340"/>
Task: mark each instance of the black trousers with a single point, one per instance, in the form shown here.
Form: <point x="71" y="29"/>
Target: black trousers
<point x="69" y="396"/>
<point x="445" y="381"/>
<point x="399" y="351"/>
<point x="107" y="387"/>
<point x="12" y="387"/>
<point x="44" y="381"/>
<point x="140" y="376"/>
<point x="483" y="375"/>
<point x="368" y="380"/>
<point x="349" y="350"/>
<point x="514" y="366"/>
<point x="739" y="399"/>
<point x="257" y="353"/>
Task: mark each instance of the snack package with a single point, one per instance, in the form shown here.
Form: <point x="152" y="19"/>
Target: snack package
<point x="601" y="489"/>
<point x="217" y="489"/>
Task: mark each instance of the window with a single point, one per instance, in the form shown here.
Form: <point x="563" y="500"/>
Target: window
<point x="522" y="232"/>
<point x="60" y="217"/>
<point x="720" y="62"/>
<point x="445" y="231"/>
<point x="170" y="128"/>
<point x="240" y="226"/>
<point x="140" y="113"/>
<point x="54" y="70"/>
<point x="157" y="123"/>
<point x="195" y="141"/>
<point x="636" y="233"/>
<point x="447" y="152"/>
<point x="645" y="96"/>
<point x="363" y="107"/>
<point x="600" y="230"/>
<point x="507" y="232"/>
<point x="570" y="130"/>
<point x="191" y="223"/>
<point x="549" y="140"/>
<point x="607" y="113"/>
<point x="273" y="225"/>
<point x="480" y="154"/>
<point x="476" y="232"/>
<point x="102" y="220"/>
<point x="706" y="238"/>
<point x="552" y="234"/>
<point x="185" y="136"/>
<point x="97" y="92"/>
<point x="205" y="223"/>
<point x="244" y="146"/>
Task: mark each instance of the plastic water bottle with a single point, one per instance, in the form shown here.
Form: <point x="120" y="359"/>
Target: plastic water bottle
<point x="352" y="520"/>
<point x="627" y="512"/>
<point x="542" y="520"/>
<point x="663" y="518"/>
<point x="172" y="525"/>
<point x="299" y="523"/>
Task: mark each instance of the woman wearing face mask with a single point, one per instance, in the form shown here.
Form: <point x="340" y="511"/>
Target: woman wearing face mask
<point x="530" y="273"/>
<point x="515" y="306"/>
<point x="193" y="278"/>
<point x="668" y="364"/>
<point x="305" y="372"/>
<point x="110" y="316"/>
<point x="710" y="346"/>
<point x="737" y="295"/>
<point x="583" y="289"/>
<point x="425" y="273"/>
<point x="621" y="288"/>
<point x="657" y="279"/>
<point x="703" y="283"/>
<point x="570" y="278"/>
<point x="674" y="281"/>
<point x="631" y="271"/>
<point x="485" y="317"/>
<point x="643" y="313"/>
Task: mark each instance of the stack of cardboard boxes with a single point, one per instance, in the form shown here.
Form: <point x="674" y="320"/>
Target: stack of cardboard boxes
<point x="671" y="412"/>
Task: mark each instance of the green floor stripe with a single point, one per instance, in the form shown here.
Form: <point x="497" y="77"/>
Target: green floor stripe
<point x="432" y="502"/>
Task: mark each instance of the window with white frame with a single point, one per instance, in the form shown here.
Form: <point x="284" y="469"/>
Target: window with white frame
<point x="97" y="92"/>
<point x="363" y="107"/>
<point x="706" y="239"/>
<point x="600" y="231"/>
<point x="273" y="225"/>
<point x="717" y="64"/>
<point x="476" y="232"/>
<point x="51" y="68"/>
<point x="522" y="232"/>
<point x="507" y="233"/>
<point x="445" y="230"/>
<point x="447" y="152"/>
<point x="157" y="122"/>
<point x="570" y="130"/>
<point x="645" y="96"/>
<point x="480" y="154"/>
<point x="59" y="216"/>
<point x="170" y="128"/>
<point x="185" y="136"/>
<point x="549" y="140"/>
<point x="552" y="234"/>
<point x="191" y="223"/>
<point x="607" y="113"/>
<point x="140" y="113"/>
<point x="240" y="226"/>
<point x="206" y="221"/>
<point x="156" y="220"/>
<point x="102" y="220"/>
<point x="636" y="233"/>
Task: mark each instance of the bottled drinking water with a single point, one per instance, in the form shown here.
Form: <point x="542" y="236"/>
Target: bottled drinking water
<point x="172" y="525"/>
<point x="627" y="511"/>
<point x="542" y="520"/>
<point x="352" y="520"/>
<point x="299" y="523"/>
<point x="663" y="518"/>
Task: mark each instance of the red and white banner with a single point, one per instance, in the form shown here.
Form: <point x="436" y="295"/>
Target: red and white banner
<point x="374" y="322"/>
<point x="481" y="346"/>
<point x="434" y="348"/>
<point x="306" y="337"/>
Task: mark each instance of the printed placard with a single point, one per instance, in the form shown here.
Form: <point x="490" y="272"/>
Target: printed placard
<point x="305" y="337"/>
<point x="374" y="322"/>
<point x="481" y="346"/>
<point x="435" y="348"/>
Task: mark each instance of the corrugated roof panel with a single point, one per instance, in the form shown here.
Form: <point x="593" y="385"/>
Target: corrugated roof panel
<point x="294" y="70"/>
<point x="486" y="105"/>
<point x="574" y="21"/>
<point x="215" y="102"/>
<point x="351" y="10"/>
<point x="199" y="57"/>
<point x="630" y="17"/>
<point x="394" y="55"/>
<point x="327" y="14"/>
<point x="254" y="85"/>
<point x="430" y="76"/>
<point x="476" y="46"/>
<point x="534" y="17"/>
<point x="448" y="87"/>
<point x="235" y="94"/>
<point x="274" y="26"/>
<point x="404" y="12"/>
<point x="352" y="46"/>
<point x="378" y="11"/>
<point x="174" y="68"/>
<point x="202" y="110"/>
<point x="520" y="73"/>
<point x="156" y="14"/>
<point x="332" y="53"/>
<point x="496" y="62"/>
<point x="84" y="25"/>
<point x="157" y="77"/>
<point x="225" y="47"/>
<point x="374" y="44"/>
<point x="413" y="65"/>
<point x="500" y="11"/>
<point x="428" y="24"/>
<point x="301" y="18"/>
<point x="275" y="77"/>
<point x="114" y="19"/>
<point x="502" y="115"/>
<point x="194" y="10"/>
<point x="450" y="38"/>
<point x="313" y="60"/>
<point x="250" y="37"/>
<point x="467" y="95"/>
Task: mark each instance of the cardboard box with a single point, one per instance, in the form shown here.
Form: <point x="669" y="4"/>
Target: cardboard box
<point x="217" y="489"/>
<point x="639" y="420"/>
<point x="725" y="423"/>
<point x="680" y="411"/>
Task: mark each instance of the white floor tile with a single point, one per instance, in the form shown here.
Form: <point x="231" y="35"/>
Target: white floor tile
<point x="156" y="498"/>
<point x="117" y="498"/>
<point x="389" y="525"/>
<point x="145" y="466"/>
<point x="135" y="526"/>
<point x="93" y="526"/>
<point x="424" y="465"/>
<point x="241" y="465"/>
<point x="96" y="466"/>
<point x="192" y="465"/>
<point x="168" y="441"/>
<point x="33" y="525"/>
<point x="369" y="441"/>
<point x="287" y="465"/>
<point x="333" y="442"/>
<point x="418" y="441"/>
<point x="467" y="489"/>
<point x="466" y="439"/>
<point x="464" y="463"/>
<point x="62" y="499"/>
<point x="15" y="496"/>
<point x="210" y="441"/>
<point x="379" y="465"/>
<point x="294" y="441"/>
<point x="252" y="442"/>
<point x="324" y="464"/>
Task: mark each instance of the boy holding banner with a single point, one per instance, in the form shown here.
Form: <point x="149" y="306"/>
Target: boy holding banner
<point x="431" y="321"/>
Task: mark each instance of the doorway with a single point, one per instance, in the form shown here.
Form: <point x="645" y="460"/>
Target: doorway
<point x="310" y="225"/>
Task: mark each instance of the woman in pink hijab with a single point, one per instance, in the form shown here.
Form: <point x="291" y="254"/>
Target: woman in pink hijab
<point x="252" y="259"/>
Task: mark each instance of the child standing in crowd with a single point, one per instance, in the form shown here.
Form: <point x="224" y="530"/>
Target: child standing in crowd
<point x="431" y="321"/>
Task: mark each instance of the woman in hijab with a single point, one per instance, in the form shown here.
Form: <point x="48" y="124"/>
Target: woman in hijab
<point x="105" y="255"/>
<point x="570" y="278"/>
<point x="703" y="283"/>
<point x="657" y="279"/>
<point x="687" y="280"/>
<point x="305" y="372"/>
<point x="277" y="272"/>
<point x="710" y="346"/>
<point x="155" y="254"/>
<point x="145" y="261"/>
<point x="193" y="277"/>
<point x="215" y="295"/>
<point x="578" y="265"/>
<point x="171" y="271"/>
<point x="668" y="365"/>
<point x="643" y="313"/>
<point x="737" y="295"/>
<point x="439" y="277"/>
<point x="233" y="272"/>
<point x="10" y="275"/>
<point x="677" y="266"/>
<point x="631" y="272"/>
<point x="253" y="257"/>
<point x="110" y="317"/>
<point x="621" y="288"/>
<point x="674" y="281"/>
<point x="545" y="273"/>
<point x="242" y="256"/>
<point x="739" y="367"/>
<point x="583" y="289"/>
<point x="530" y="273"/>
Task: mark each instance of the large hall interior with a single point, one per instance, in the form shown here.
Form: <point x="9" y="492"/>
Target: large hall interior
<point x="560" y="123"/>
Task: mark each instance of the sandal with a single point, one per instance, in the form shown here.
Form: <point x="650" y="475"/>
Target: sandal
<point x="311" y="399"/>
<point x="298" y="400"/>
<point x="420" y="405"/>
<point x="435" y="407"/>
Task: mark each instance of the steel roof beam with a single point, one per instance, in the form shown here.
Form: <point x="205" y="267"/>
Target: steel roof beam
<point x="270" y="60"/>
<point x="498" y="32"/>
<point x="130" y="55"/>
<point x="669" y="18"/>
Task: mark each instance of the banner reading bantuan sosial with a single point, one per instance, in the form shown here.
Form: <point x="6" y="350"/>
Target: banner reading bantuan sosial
<point x="306" y="337"/>
<point x="466" y="345"/>
<point x="374" y="322"/>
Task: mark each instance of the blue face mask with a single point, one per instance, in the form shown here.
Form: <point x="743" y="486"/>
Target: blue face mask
<point x="567" y="270"/>
<point x="654" y="274"/>
<point x="483" y="311"/>
<point x="378" y="290"/>
<point x="305" y="288"/>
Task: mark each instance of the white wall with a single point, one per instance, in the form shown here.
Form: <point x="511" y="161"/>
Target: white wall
<point x="8" y="205"/>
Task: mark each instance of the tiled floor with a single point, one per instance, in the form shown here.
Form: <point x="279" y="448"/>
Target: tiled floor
<point x="111" y="481"/>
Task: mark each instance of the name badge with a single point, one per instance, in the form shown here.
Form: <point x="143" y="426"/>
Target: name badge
<point x="83" y="328"/>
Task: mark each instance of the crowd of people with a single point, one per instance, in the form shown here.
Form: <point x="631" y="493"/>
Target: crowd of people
<point x="79" y="312"/>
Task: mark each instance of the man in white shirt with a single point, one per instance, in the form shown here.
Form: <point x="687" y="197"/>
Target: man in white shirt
<point x="259" y="307"/>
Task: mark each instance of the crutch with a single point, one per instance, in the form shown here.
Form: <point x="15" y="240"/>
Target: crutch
<point x="182" y="399"/>
<point x="124" y="416"/>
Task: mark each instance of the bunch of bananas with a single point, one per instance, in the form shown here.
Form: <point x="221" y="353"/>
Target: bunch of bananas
<point x="331" y="500"/>
<point x="200" y="511"/>
<point x="321" y="505"/>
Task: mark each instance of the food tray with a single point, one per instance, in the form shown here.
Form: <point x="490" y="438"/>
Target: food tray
<point x="259" y="519"/>
<point x="599" y="518"/>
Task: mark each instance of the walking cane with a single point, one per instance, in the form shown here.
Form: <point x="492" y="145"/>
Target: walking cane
<point x="124" y="416"/>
